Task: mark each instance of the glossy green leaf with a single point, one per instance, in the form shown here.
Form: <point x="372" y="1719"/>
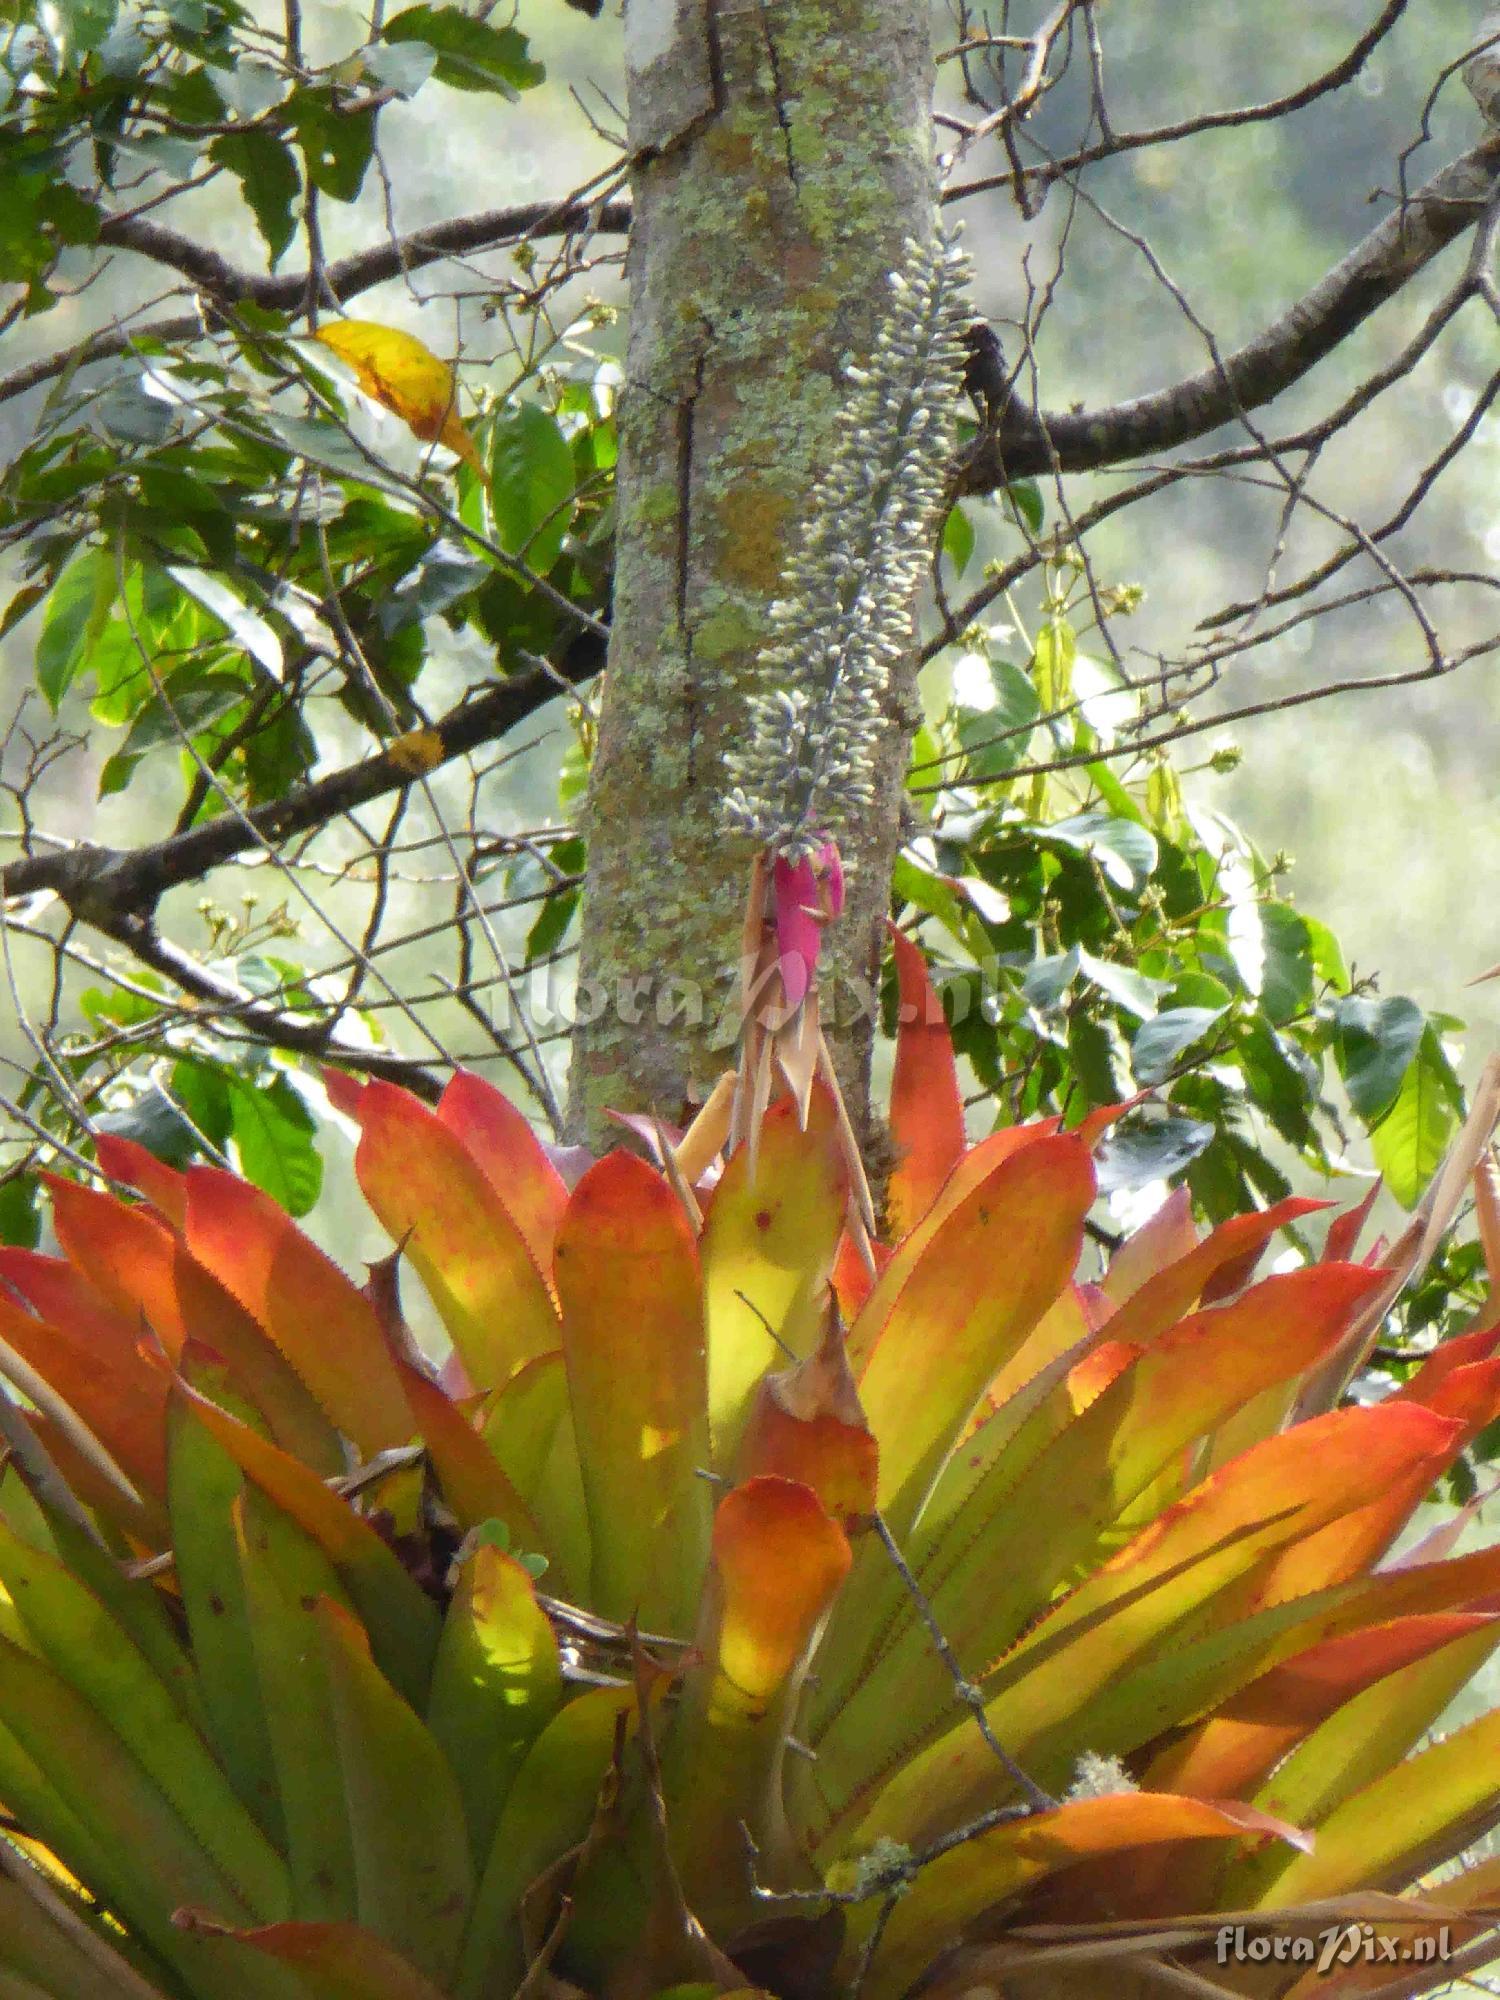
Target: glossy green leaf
<point x="1161" y="1041"/>
<point x="413" y="1878"/>
<point x="548" y="1812"/>
<point x="1124" y="849"/>
<point x="532" y="484"/>
<point x="274" y="1139"/>
<point x="337" y="142"/>
<point x="1414" y="1132"/>
<point x="76" y="611"/>
<point x="266" y="170"/>
<point x="769" y="1242"/>
<point x="1378" y="1040"/>
<point x="284" y="1576"/>
<point x="958" y="540"/>
<point x="248" y="629"/>
<point x="75" y="1634"/>
<point x="496" y="1684"/>
<point x="400" y="66"/>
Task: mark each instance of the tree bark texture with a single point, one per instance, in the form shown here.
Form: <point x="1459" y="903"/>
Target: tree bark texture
<point x="782" y="157"/>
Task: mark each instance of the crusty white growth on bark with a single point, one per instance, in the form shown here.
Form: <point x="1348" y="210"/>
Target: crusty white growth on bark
<point x="843" y="623"/>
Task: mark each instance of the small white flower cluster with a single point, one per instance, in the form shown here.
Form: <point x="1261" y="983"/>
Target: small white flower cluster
<point x="845" y="612"/>
<point x="1097" y="1777"/>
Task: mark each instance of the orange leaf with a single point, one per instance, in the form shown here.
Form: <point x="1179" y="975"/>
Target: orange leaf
<point x="778" y="1563"/>
<point x="1428" y="1929"/>
<point x="1210" y="1363"/>
<point x="402" y="373"/>
<point x="1223" y="1260"/>
<point x="779" y="1559"/>
<point x="852" y="1278"/>
<point x="957" y="1887"/>
<point x="1356" y="1542"/>
<point x="1231" y="1753"/>
<point x="163" y="1186"/>
<point x="438" y="1203"/>
<point x="144" y="1270"/>
<point x="498" y="1137"/>
<point x="1163" y="1238"/>
<point x="806" y="1424"/>
<point x="58" y="1292"/>
<point x="1061" y="1676"/>
<point x="318" y="1319"/>
<point x="1343" y="1231"/>
<point x="996" y="1263"/>
<point x="124" y="1406"/>
<point x="972" y="1171"/>
<point x="1463" y="1351"/>
<point x="344" y="1961"/>
<point x="1422" y="1811"/>
<point x="927" y="1110"/>
<point x="344" y="1091"/>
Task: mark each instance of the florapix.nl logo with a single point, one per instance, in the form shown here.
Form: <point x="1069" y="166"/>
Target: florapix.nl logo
<point x="1328" y="1949"/>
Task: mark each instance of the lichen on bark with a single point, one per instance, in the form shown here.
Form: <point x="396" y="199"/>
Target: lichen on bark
<point x="783" y="158"/>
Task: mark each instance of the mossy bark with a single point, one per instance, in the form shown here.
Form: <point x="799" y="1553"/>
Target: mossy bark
<point x="783" y="154"/>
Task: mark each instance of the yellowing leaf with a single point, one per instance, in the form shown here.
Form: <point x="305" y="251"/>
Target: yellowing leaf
<point x="402" y="373"/>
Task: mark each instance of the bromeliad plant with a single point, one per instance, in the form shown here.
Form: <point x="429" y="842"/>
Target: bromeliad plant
<point x="752" y="1599"/>
<point x="971" y="1627"/>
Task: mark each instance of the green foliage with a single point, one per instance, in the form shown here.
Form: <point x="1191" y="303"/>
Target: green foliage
<point x="1099" y="932"/>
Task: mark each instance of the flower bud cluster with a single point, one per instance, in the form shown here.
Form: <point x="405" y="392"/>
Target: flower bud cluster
<point x="844" y="616"/>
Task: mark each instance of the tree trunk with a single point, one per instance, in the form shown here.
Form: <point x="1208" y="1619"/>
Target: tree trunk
<point x="783" y="156"/>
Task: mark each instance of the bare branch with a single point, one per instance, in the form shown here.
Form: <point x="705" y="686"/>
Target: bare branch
<point x="224" y="284"/>
<point x="105" y="886"/>
<point x="1041" y="177"/>
<point x="345" y="279"/>
<point x="1452" y="202"/>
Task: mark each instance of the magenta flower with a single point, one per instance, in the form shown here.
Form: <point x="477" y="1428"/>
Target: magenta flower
<point x="806" y="895"/>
